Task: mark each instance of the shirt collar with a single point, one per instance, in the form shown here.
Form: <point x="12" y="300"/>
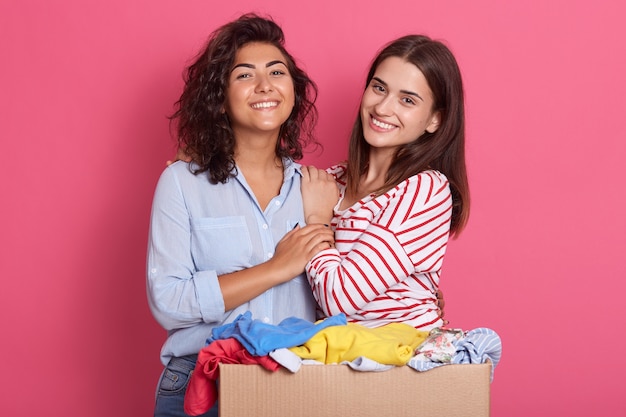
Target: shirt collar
<point x="291" y="168"/>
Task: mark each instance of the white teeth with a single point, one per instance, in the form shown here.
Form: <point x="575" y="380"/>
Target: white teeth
<point x="265" y="105"/>
<point x="381" y="124"/>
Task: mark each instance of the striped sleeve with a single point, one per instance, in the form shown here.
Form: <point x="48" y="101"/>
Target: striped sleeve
<point x="424" y="233"/>
<point x="406" y="237"/>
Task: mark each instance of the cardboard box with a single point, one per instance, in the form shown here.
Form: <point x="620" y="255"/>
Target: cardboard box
<point x="337" y="390"/>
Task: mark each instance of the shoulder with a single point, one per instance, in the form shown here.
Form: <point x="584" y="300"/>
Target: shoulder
<point x="420" y="193"/>
<point x="179" y="170"/>
<point x="428" y="182"/>
<point x="339" y="171"/>
<point x="179" y="177"/>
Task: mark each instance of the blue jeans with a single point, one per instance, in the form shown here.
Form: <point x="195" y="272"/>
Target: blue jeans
<point x="170" y="395"/>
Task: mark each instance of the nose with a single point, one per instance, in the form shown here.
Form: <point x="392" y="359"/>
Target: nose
<point x="384" y="107"/>
<point x="264" y="84"/>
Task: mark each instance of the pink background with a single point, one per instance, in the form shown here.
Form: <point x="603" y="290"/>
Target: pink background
<point x="85" y="88"/>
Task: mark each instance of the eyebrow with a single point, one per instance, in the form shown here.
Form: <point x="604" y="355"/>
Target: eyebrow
<point x="411" y="93"/>
<point x="269" y="64"/>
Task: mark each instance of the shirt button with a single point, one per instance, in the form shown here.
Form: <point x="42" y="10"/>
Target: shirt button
<point x="269" y="255"/>
<point x="264" y="227"/>
<point x="266" y="319"/>
<point x="277" y="203"/>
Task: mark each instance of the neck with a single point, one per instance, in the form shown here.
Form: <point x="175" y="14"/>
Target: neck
<point x="263" y="171"/>
<point x="258" y="154"/>
<point x="374" y="177"/>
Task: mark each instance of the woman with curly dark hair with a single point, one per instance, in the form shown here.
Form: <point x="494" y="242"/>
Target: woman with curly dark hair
<point x="224" y="229"/>
<point x="204" y="129"/>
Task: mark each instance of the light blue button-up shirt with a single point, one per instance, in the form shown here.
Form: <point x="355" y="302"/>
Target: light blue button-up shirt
<point x="199" y="231"/>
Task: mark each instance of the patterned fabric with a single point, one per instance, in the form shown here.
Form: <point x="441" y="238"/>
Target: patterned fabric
<point x="439" y="346"/>
<point x="476" y="346"/>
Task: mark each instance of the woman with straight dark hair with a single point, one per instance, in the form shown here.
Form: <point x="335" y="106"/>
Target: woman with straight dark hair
<point x="403" y="191"/>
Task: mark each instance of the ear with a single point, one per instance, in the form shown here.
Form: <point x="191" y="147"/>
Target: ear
<point x="434" y="122"/>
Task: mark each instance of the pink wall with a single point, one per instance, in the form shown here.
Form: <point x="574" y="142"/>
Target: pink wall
<point x="85" y="89"/>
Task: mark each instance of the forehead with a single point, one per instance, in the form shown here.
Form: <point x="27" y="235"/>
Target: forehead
<point x="258" y="52"/>
<point x="400" y="74"/>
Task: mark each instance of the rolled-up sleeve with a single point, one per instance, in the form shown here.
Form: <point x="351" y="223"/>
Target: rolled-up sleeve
<point x="179" y="295"/>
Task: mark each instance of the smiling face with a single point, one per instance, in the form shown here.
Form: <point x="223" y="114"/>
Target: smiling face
<point x="397" y="105"/>
<point x="260" y="94"/>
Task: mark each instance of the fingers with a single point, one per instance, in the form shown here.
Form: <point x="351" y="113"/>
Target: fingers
<point x="315" y="237"/>
<point x="315" y="228"/>
<point x="311" y="173"/>
<point x="440" y="303"/>
<point x="316" y="245"/>
<point x="312" y="231"/>
<point x="316" y="232"/>
<point x="305" y="173"/>
<point x="301" y="244"/>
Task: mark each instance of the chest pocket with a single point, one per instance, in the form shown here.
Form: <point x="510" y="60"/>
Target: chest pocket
<point x="221" y="243"/>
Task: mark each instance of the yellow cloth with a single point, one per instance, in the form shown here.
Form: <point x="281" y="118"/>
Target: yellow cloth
<point x="392" y="344"/>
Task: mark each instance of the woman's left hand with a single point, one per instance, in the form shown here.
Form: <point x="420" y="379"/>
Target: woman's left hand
<point x="319" y="195"/>
<point x="441" y="304"/>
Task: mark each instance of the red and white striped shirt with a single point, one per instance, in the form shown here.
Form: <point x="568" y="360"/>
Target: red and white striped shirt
<point x="388" y="254"/>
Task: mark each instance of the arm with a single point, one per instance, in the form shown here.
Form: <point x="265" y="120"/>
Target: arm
<point x="405" y="239"/>
<point x="173" y="284"/>
<point x="179" y="294"/>
<point x="293" y="251"/>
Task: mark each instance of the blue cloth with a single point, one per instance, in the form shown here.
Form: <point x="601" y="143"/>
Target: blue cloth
<point x="478" y="346"/>
<point x="200" y="230"/>
<point x="261" y="338"/>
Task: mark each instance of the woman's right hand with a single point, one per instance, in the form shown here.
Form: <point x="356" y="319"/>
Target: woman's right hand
<point x="319" y="195"/>
<point x="180" y="156"/>
<point x="298" y="246"/>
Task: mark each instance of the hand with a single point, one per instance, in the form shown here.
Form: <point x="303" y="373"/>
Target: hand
<point x="298" y="246"/>
<point x="319" y="195"/>
<point x="441" y="304"/>
<point x="180" y="156"/>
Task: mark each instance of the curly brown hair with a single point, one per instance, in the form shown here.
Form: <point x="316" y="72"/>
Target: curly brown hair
<point x="203" y="128"/>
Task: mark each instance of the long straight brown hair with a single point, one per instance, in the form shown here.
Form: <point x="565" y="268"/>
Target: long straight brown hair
<point x="442" y="150"/>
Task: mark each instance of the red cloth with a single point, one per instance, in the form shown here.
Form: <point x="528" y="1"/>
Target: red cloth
<point x="202" y="389"/>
